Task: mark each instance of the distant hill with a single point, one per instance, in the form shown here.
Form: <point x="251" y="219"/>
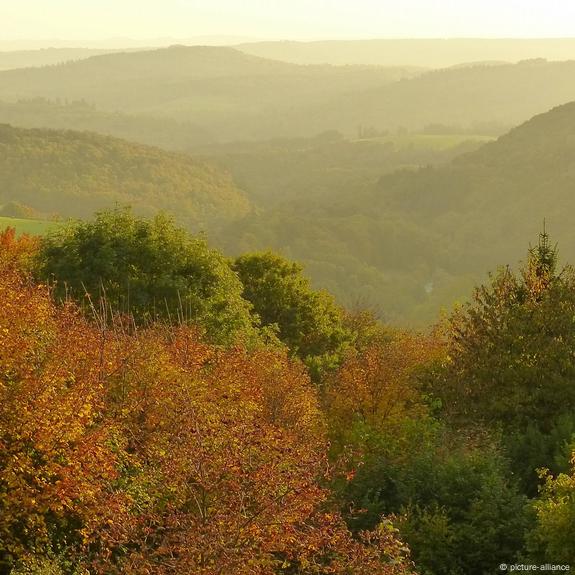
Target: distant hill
<point x="427" y="53"/>
<point x="80" y="115"/>
<point x="230" y="94"/>
<point x="74" y="174"/>
<point x="489" y="201"/>
<point x="504" y="95"/>
<point x="227" y="95"/>
<point x="277" y="171"/>
<point x="420" y="239"/>
<point x="10" y="60"/>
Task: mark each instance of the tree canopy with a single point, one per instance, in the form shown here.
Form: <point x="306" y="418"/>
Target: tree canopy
<point x="148" y="268"/>
<point x="308" y="321"/>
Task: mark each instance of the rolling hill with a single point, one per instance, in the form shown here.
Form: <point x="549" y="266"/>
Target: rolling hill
<point x="231" y="94"/>
<point x="462" y="97"/>
<point x="427" y="53"/>
<point x="227" y="95"/>
<point x="419" y="239"/>
<point x="79" y="115"/>
<point x="74" y="174"/>
<point x="489" y="201"/>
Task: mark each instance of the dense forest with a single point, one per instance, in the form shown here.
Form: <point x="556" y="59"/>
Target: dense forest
<point x="235" y="96"/>
<point x="419" y="239"/>
<point x="402" y="223"/>
<point x="288" y="308"/>
<point x="72" y="174"/>
<point x="174" y="411"/>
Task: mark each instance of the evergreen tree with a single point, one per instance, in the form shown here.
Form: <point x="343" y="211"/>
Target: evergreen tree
<point x="511" y="364"/>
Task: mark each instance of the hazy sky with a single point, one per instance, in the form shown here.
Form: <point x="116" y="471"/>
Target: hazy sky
<point x="297" y="19"/>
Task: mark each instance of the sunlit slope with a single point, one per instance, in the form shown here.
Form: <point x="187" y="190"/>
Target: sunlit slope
<point x="25" y="226"/>
<point x="74" y="174"/>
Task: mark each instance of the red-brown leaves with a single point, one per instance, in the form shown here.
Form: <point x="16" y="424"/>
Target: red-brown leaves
<point x="151" y="452"/>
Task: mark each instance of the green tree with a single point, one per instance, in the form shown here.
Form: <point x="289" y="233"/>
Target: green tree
<point x="553" y="539"/>
<point x="510" y="348"/>
<point x="149" y="268"/>
<point x="308" y="321"/>
<point x="458" y="508"/>
<point x="511" y="364"/>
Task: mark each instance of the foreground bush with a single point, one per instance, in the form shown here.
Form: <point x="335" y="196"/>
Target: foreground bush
<point x="151" y="269"/>
<point x="135" y="451"/>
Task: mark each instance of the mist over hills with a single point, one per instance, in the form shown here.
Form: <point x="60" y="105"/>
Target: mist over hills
<point x="409" y="244"/>
<point x="420" y="239"/>
<point x="427" y="53"/>
<point x="227" y="95"/>
<point x="80" y="115"/>
<point x="46" y="57"/>
<point x="501" y="95"/>
<point x="389" y="52"/>
<point x="74" y="174"/>
<point x="233" y="95"/>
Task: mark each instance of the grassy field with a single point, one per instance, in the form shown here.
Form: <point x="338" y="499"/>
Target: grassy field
<point x="31" y="227"/>
<point x="437" y="142"/>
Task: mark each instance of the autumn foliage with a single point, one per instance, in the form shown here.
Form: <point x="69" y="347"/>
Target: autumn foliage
<point x="374" y="390"/>
<point x="149" y="451"/>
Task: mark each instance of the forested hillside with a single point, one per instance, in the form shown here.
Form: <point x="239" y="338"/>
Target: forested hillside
<point x="79" y="115"/>
<point x="482" y="203"/>
<point x="465" y="97"/>
<point x="252" y="425"/>
<point x="329" y="165"/>
<point x="419" y="239"/>
<point x="73" y="174"/>
<point x="231" y="94"/>
<point x="287" y="288"/>
<point x="408" y="245"/>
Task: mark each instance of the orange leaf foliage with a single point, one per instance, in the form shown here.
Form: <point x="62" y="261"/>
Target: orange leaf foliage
<point x="152" y="452"/>
<point x="374" y="385"/>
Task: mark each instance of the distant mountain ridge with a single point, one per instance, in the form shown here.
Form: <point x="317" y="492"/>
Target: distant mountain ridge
<point x="423" y="52"/>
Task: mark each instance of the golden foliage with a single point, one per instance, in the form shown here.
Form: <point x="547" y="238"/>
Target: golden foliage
<point x="152" y="452"/>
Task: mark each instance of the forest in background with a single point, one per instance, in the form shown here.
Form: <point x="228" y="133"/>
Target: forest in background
<point x="222" y="344"/>
<point x="403" y="223"/>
